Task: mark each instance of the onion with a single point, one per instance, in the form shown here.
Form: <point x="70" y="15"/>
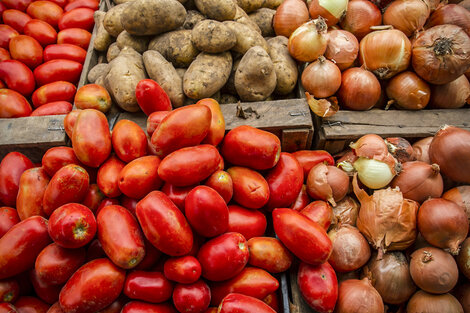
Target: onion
<point x="289" y="16"/>
<point x="434" y="4"/>
<point x="408" y="91"/>
<point x="450" y="148"/>
<point x="443" y="224"/>
<point x="385" y="52"/>
<point x="461" y="196"/>
<point x="381" y="4"/>
<point x="440" y="54"/>
<point x="434" y="270"/>
<point x="308" y="41"/>
<point x="347" y="276"/>
<point x="462" y="293"/>
<point x="459" y="89"/>
<point x="321" y="78"/>
<point x="328" y="183"/>
<point x="425" y="302"/>
<point x="360" y="90"/>
<point x="409" y="16"/>
<point x="421" y="149"/>
<point x="465" y="4"/>
<point x="342" y="48"/>
<point x="360" y="16"/>
<point x="463" y="259"/>
<point x="451" y="14"/>
<point x="350" y="249"/>
<point x="386" y="219"/>
<point x="346" y="212"/>
<point x="320" y="212"/>
<point x="346" y="161"/>
<point x="370" y="146"/>
<point x="358" y="296"/>
<point x="400" y="148"/>
<point x="391" y="277"/>
<point x="419" y="181"/>
<point x="330" y="10"/>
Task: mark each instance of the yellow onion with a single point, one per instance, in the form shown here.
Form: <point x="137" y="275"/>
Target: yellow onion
<point x="342" y="48"/>
<point x="463" y="259"/>
<point x="330" y="10"/>
<point x="289" y="16"/>
<point x="328" y="183"/>
<point x="462" y="293"/>
<point x="360" y="16"/>
<point x="372" y="173"/>
<point x="358" y="296"/>
<point x="408" y="91"/>
<point x="421" y="149"/>
<point x="308" y="41"/>
<point x="451" y="14"/>
<point x="345" y="212"/>
<point x="400" y="148"/>
<point x="461" y="196"/>
<point x="385" y="52"/>
<point x="459" y="89"/>
<point x="321" y="78"/>
<point x="408" y="16"/>
<point x="360" y="90"/>
<point x="465" y="4"/>
<point x="429" y="303"/>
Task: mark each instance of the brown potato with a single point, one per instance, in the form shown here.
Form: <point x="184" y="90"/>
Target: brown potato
<point x="176" y="46"/>
<point x="246" y="37"/>
<point x="138" y="43"/>
<point x="264" y="19"/>
<point x="98" y="70"/>
<point x="102" y="38"/>
<point x="213" y="36"/>
<point x="242" y="17"/>
<point x="220" y="10"/>
<point x="250" y="5"/>
<point x="112" y="19"/>
<point x="113" y="52"/>
<point x="284" y="65"/>
<point x="192" y="18"/>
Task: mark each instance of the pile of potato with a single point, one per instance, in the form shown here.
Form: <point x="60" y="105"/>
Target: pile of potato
<point x="193" y="49"/>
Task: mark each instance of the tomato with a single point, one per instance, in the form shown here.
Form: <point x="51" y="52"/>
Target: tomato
<point x="93" y="198"/>
<point x="53" y="108"/>
<point x="270" y="254"/>
<point x="57" y="157"/>
<point x="31" y="304"/>
<point x="152" y="255"/>
<point x="217" y="128"/>
<point x="69" y="122"/>
<point x="61" y="3"/>
<point x="154" y="120"/>
<point x="177" y="194"/>
<point x="77" y="18"/>
<point x="9" y="290"/>
<point x="92" y="287"/>
<point x="69" y="184"/>
<point x="120" y="236"/>
<point x="310" y="158"/>
<point x="74" y="36"/>
<point x="55" y="308"/>
<point x="46" y="291"/>
<point x="116" y="306"/>
<point x="13" y="104"/>
<point x="148" y="286"/>
<point x="143" y="307"/>
<point x="192" y="298"/>
<point x="58" y="70"/>
<point x="65" y="51"/>
<point x="302" y="199"/>
<point x="46" y="11"/>
<point x="221" y="182"/>
<point x="12" y="167"/>
<point x="8" y="218"/>
<point x="249" y="223"/>
<point x="140" y="177"/>
<point x="250" y="189"/>
<point x="151" y="97"/>
<point x="108" y="176"/>
<point x="56" y="264"/>
<point x="26" y="49"/>
<point x="20" y="246"/>
<point x="320" y="212"/>
<point x="128" y="139"/>
<point x="17" y="76"/>
<point x="91" y="4"/>
<point x="56" y="91"/>
<point x="16" y="19"/>
<point x="44" y="33"/>
<point x="33" y="183"/>
<point x="184" y="270"/>
<point x="93" y="96"/>
<point x="6" y="307"/>
<point x="95" y="250"/>
<point x="251" y="147"/>
<point x="273" y="301"/>
<point x="20" y="5"/>
<point x="238" y="303"/>
<point x="6" y="33"/>
<point x="4" y="54"/>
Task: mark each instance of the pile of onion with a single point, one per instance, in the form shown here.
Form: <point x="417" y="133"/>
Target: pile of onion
<point x="463" y="259"/>
<point x="451" y="14"/>
<point x="330" y="10"/>
<point x="358" y="296"/>
<point x="321" y="78"/>
<point x="346" y="212"/>
<point x="328" y="183"/>
<point x="408" y="91"/>
<point x="425" y="302"/>
<point x="461" y="196"/>
<point x="342" y="48"/>
<point x="360" y="16"/>
<point x="289" y="16"/>
<point x="308" y="41"/>
<point x="459" y="89"/>
<point x="421" y="149"/>
<point x="409" y="16"/>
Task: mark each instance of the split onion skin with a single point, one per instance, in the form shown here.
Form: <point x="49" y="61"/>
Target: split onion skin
<point x="346" y="212"/>
<point x="360" y="90"/>
<point x="408" y="16"/>
<point x="421" y="149"/>
<point x="429" y="303"/>
<point x="360" y="16"/>
<point x="328" y="183"/>
<point x="453" y="95"/>
<point x="358" y="296"/>
<point x="408" y="91"/>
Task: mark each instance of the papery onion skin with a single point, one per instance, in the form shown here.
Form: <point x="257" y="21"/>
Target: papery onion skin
<point x="450" y="149"/>
<point x="419" y="181"/>
<point x="400" y="148"/>
<point x="440" y="54"/>
<point x="342" y="48"/>
<point x="451" y="14"/>
<point x="370" y="146"/>
<point x="358" y="296"/>
<point x="407" y="16"/>
<point x="463" y="258"/>
<point x="391" y="277"/>
<point x="360" y="89"/>
<point x="330" y="10"/>
<point x="385" y="52"/>
<point x="453" y="95"/>
<point x="443" y="224"/>
<point x="289" y="16"/>
<point x="346" y="212"/>
<point x="308" y="41"/>
<point x="421" y="149"/>
<point x="422" y="301"/>
<point x="408" y="91"/>
<point x="321" y="78"/>
<point x="320" y="212"/>
<point x="360" y="16"/>
<point x="461" y="196"/>
<point x="434" y="270"/>
<point x="328" y="183"/>
<point x="350" y="249"/>
<point x="465" y="4"/>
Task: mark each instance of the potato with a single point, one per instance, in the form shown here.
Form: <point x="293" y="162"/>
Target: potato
<point x="242" y="17"/>
<point x="192" y="18"/>
<point x="102" y="38"/>
<point x="207" y="74"/>
<point x="220" y="10"/>
<point x="246" y="37"/>
<point x="255" y="78"/>
<point x="284" y="65"/>
<point x="163" y="72"/>
<point x="272" y="4"/>
<point x="98" y="70"/>
<point x="226" y="98"/>
<point x="176" y="46"/>
<point x="122" y="1"/>
<point x="213" y="36"/>
<point x="113" y="52"/>
<point x="138" y="43"/>
<point x="250" y="5"/>
<point x="152" y="17"/>
<point x="181" y="71"/>
<point x="229" y="86"/>
<point x="112" y="19"/>
<point x="264" y="19"/>
<point x="100" y="81"/>
<point x="127" y="69"/>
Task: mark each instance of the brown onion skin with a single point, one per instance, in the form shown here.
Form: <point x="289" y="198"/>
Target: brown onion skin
<point x="360" y="89"/>
<point x="407" y="16"/>
<point x="440" y="54"/>
<point x="451" y="14"/>
<point x="350" y="249"/>
<point x="358" y="296"/>
<point x="421" y="149"/>
<point x="419" y="181"/>
<point x="342" y="48"/>
<point x="321" y="78"/>
<point x="450" y="149"/>
<point x="463" y="259"/>
<point x="290" y="15"/>
<point x="422" y="301"/>
<point x="459" y="89"/>
<point x="346" y="212"/>
<point x="400" y="148"/>
<point x="308" y="41"/>
<point x="462" y="293"/>
<point x="465" y="4"/>
<point x="461" y="196"/>
<point x="408" y="91"/>
<point x="360" y="16"/>
<point x="391" y="277"/>
<point x="336" y="180"/>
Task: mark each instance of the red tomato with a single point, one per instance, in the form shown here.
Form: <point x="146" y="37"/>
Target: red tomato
<point x="6" y="33"/>
<point x="93" y="198"/>
<point x="154" y="120"/>
<point x="91" y="4"/>
<point x="57" y="157"/>
<point x="310" y="158"/>
<point x="46" y="11"/>
<point x="140" y="176"/>
<point x="20" y="5"/>
<point x="249" y="223"/>
<point x="77" y="18"/>
<point x="93" y="96"/>
<point x="151" y="97"/>
<point x="177" y="194"/>
<point x="13" y="104"/>
<point x="143" y="307"/>
<point x="217" y="129"/>
<point x="31" y="304"/>
<point x="108" y="176"/>
<point x="33" y="183"/>
<point x="44" y="33"/>
<point x="69" y="122"/>
<point x="9" y="290"/>
<point x="56" y="70"/>
<point x="2" y="8"/>
<point x="46" y="291"/>
<point x="269" y="254"/>
<point x="192" y="298"/>
<point x="17" y="76"/>
<point x="151" y="257"/>
<point x="26" y="49"/>
<point x="8" y="218"/>
<point x="12" y="167"/>
<point x="320" y="212"/>
<point x="4" y="54"/>
<point x="74" y="36"/>
<point x="16" y="19"/>
<point x="238" y="303"/>
<point x="56" y="91"/>
<point x="61" y="3"/>
<point x="65" y="51"/>
<point x="303" y="199"/>
<point x="184" y="270"/>
<point x="221" y="182"/>
<point x="129" y="140"/>
<point x="53" y="108"/>
<point x="148" y="286"/>
<point x="250" y="189"/>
